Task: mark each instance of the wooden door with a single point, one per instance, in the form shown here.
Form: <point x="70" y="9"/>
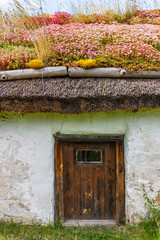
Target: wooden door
<point x="89" y="180"/>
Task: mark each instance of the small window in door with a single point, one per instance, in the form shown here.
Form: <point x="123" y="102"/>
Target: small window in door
<point x="89" y="156"/>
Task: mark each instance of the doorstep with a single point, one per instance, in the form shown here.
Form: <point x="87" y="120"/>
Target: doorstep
<point x="89" y="223"/>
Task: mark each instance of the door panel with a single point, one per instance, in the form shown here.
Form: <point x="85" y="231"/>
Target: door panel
<point x="86" y="197"/>
<point x="89" y="180"/>
<point x="99" y="192"/>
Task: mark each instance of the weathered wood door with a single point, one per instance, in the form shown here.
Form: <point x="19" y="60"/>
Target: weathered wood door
<point x="89" y="180"/>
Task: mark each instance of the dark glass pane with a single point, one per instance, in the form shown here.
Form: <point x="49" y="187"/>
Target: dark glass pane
<point x="89" y="155"/>
<point x="79" y="156"/>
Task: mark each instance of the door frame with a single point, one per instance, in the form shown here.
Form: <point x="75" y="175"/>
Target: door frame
<point x="58" y="170"/>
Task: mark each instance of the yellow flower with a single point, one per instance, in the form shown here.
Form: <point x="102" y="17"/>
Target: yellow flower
<point x="88" y="63"/>
<point x="47" y="15"/>
<point x="36" y="64"/>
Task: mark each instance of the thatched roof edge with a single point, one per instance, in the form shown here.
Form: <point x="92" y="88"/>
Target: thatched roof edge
<point x="79" y="95"/>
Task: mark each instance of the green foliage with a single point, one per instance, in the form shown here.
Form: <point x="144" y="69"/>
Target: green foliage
<point x="158" y="46"/>
<point x="153" y="208"/>
<point x="12" y="65"/>
<point x="146" y="230"/>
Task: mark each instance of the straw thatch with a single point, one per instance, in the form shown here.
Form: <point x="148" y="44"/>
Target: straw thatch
<point x="79" y="95"/>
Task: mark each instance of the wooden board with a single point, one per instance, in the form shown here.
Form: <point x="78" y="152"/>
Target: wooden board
<point x="120" y="187"/>
<point x="86" y="198"/>
<point x="59" y="210"/>
<point x="99" y="192"/>
<point x="77" y="194"/>
<point x="110" y="175"/>
<point x="68" y="183"/>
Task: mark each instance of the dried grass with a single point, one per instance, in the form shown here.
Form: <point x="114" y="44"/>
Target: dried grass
<point x="123" y="13"/>
<point x="42" y="47"/>
<point x="19" y="15"/>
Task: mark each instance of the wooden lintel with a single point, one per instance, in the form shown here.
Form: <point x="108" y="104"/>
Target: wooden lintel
<point x="89" y="138"/>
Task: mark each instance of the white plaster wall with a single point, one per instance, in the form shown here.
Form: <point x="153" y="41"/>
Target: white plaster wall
<point x="27" y="159"/>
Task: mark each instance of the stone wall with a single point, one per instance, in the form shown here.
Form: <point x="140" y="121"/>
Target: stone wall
<point x="27" y="159"/>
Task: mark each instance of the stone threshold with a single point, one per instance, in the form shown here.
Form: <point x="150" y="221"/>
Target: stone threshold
<point x="89" y="223"/>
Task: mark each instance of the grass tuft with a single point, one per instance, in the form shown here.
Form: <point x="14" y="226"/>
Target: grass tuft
<point x="146" y="230"/>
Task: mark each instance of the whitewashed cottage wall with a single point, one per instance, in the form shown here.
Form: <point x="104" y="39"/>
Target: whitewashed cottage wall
<point x="27" y="159"/>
